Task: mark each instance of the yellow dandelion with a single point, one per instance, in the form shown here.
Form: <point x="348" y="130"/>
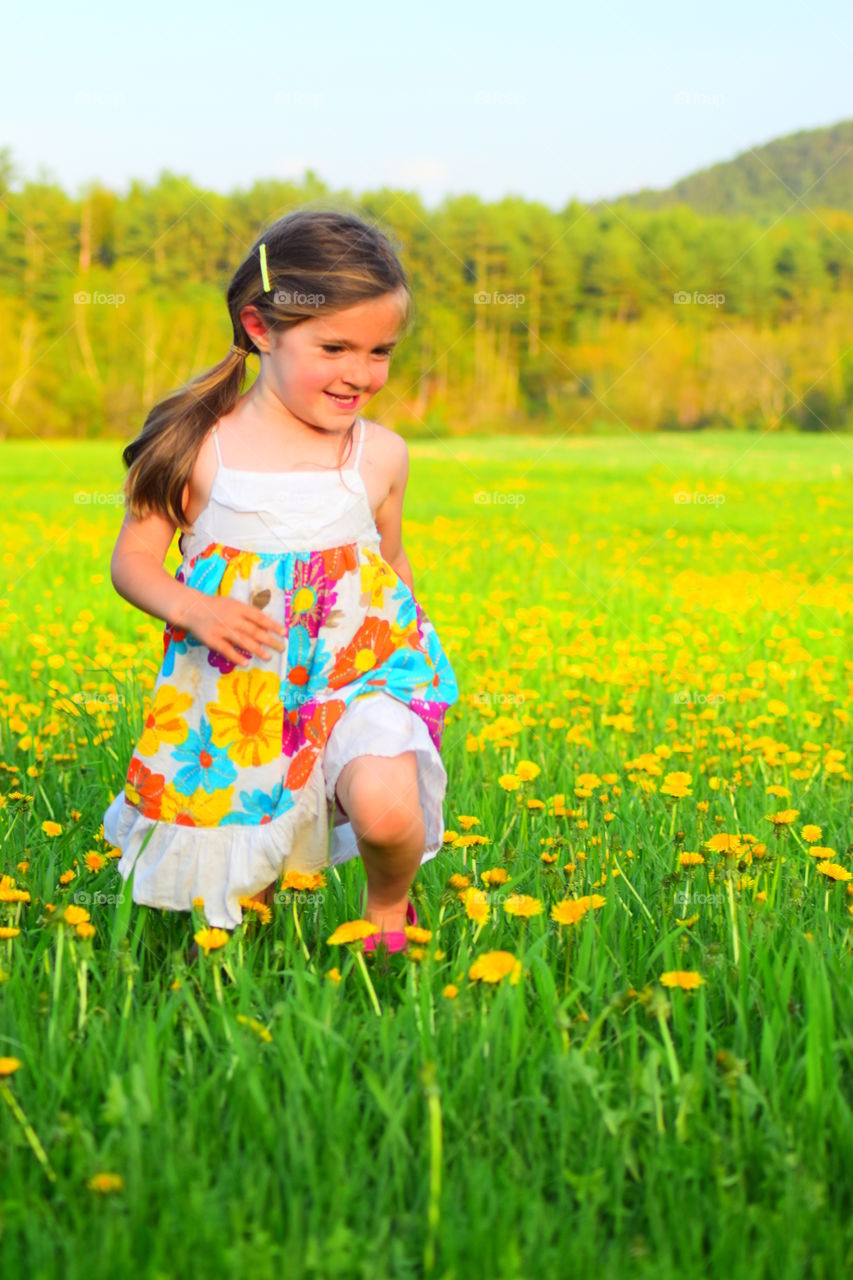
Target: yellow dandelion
<point x="51" y="828"/>
<point x="211" y="939"/>
<point x="725" y="843"/>
<point x="352" y="931"/>
<point x="810" y="833"/>
<point x="568" y="911"/>
<point x="509" y="781"/>
<point x="94" y="861"/>
<point x="8" y="1065"/>
<point x="467" y="820"/>
<point x="476" y="904"/>
<point x="298" y="880"/>
<point x="687" y="858"/>
<point x="415" y="933"/>
<point x="458" y="881"/>
<point x="260" y="909"/>
<point x="466" y="842"/>
<point x="75" y="915"/>
<point x="451" y="991"/>
<point x="526" y="770"/>
<point x="105" y="1182"/>
<point x="7" y="931"/>
<point x="334" y="975"/>
<point x="834" y="871"/>
<point x="495" y="965"/>
<point x="783" y="818"/>
<point x="822" y="851"/>
<point x="85" y="929"/>
<point x="676" y="784"/>
<point x="494" y="875"/>
<point x="687" y="979"/>
<point x="258" y="1027"/>
<point x="522" y="904"/>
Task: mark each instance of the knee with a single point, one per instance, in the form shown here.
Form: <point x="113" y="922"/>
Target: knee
<point x="386" y="816"/>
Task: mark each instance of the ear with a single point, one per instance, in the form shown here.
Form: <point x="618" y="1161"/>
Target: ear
<point x="254" y="325"/>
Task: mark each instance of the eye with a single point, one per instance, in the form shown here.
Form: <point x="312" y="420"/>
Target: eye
<point x="381" y="352"/>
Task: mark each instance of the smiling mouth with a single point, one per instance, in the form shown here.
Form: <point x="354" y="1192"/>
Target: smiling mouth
<point x="345" y="401"/>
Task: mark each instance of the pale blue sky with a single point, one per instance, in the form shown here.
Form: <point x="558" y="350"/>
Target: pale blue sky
<point x="440" y="98"/>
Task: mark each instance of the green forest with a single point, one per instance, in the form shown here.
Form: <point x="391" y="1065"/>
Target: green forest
<point x="724" y="302"/>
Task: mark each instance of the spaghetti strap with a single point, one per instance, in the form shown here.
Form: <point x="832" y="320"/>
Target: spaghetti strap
<point x="360" y="443"/>
<point x="215" y="435"/>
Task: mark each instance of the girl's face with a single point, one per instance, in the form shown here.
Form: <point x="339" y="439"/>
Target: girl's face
<point x="325" y="369"/>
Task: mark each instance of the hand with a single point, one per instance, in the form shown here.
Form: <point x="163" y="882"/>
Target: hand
<point x="223" y="624"/>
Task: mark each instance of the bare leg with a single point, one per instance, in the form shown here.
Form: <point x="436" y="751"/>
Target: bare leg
<point x="379" y="795"/>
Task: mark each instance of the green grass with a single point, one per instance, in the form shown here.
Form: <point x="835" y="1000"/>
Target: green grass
<point x="583" y="1119"/>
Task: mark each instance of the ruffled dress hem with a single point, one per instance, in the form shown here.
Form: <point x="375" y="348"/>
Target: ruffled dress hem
<point x="222" y="864"/>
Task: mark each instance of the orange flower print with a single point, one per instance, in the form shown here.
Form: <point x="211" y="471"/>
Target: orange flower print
<point x="323" y="720"/>
<point x="247" y="716"/>
<point x="340" y="560"/>
<point x="369" y="647"/>
<point x="164" y="722"/>
<point x="144" y="788"/>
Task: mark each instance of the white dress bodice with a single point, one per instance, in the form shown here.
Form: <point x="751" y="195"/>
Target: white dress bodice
<point x="272" y="511"/>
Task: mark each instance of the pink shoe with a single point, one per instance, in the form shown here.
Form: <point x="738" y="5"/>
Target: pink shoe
<point x="396" y="939"/>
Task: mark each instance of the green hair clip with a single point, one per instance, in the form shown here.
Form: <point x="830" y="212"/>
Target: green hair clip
<point x="264" y="276"/>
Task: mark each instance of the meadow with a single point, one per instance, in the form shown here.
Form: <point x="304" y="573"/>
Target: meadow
<point x="623" y="1043"/>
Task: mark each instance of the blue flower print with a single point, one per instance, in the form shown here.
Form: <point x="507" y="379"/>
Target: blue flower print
<point x="209" y="765"/>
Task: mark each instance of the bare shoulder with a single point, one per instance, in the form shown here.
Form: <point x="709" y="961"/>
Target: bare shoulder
<point x="388" y="450"/>
<point x="385" y="469"/>
<point x="197" y="490"/>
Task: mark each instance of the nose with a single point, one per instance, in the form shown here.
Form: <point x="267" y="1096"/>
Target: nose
<point x="357" y="374"/>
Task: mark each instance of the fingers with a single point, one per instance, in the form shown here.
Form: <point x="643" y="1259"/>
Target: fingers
<point x="250" y="637"/>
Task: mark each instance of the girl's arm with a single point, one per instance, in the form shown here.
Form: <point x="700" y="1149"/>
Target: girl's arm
<point x="232" y="628"/>
<point x="137" y="570"/>
<point x="389" y="517"/>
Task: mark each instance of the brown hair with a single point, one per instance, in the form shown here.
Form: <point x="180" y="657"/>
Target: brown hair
<point x="312" y="252"/>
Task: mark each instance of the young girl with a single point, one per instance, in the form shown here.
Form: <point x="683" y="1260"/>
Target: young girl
<point x="302" y="684"/>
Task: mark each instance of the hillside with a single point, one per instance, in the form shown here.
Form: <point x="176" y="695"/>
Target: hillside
<point x="765" y="181"/>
